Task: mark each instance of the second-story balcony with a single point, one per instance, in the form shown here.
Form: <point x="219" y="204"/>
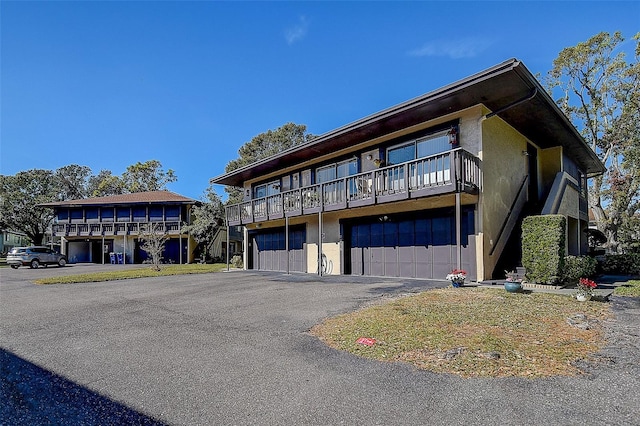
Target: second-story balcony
<point x="448" y="172"/>
<point x="112" y="228"/>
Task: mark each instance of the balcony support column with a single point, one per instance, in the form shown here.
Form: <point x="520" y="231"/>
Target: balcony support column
<point x="286" y="240"/>
<point x="102" y="249"/>
<point x="458" y="232"/>
<point x="320" y="243"/>
<point x="227" y="255"/>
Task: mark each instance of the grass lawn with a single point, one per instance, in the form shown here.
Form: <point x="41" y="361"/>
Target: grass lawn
<point x="630" y="289"/>
<point x="195" y="268"/>
<point x="474" y="332"/>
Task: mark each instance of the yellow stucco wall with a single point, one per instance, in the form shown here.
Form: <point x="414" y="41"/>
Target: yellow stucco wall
<point x="504" y="168"/>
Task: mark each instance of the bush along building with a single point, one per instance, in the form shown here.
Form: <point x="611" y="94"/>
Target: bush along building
<point x="108" y="229"/>
<point x="439" y="182"/>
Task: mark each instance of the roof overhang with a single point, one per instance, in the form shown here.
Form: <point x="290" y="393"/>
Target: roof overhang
<point x="501" y="89"/>
<point x="136" y="198"/>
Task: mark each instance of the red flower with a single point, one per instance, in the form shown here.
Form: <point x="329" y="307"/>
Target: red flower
<point x="587" y="283"/>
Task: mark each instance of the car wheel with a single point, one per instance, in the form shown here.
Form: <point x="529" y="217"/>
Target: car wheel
<point x="15" y="266"/>
<point x="35" y="264"/>
<point x="62" y="262"/>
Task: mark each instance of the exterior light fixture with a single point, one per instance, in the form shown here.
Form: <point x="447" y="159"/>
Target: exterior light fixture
<point x="453" y="136"/>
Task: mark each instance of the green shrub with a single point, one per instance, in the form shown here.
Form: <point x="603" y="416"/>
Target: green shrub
<point x="576" y="267"/>
<point x="621" y="264"/>
<point x="236" y="261"/>
<point x="543" y="247"/>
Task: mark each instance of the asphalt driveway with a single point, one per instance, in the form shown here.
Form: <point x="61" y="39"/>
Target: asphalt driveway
<point x="234" y="348"/>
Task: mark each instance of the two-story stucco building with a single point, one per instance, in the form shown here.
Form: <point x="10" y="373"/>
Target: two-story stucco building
<point x="92" y="229"/>
<point x="432" y="184"/>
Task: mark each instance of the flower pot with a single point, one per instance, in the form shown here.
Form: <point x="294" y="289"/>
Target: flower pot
<point x="583" y="297"/>
<point x="457" y="283"/>
<point x="512" y="286"/>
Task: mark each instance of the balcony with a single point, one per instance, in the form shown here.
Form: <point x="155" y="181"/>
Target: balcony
<point x="110" y="228"/>
<point x="449" y="172"/>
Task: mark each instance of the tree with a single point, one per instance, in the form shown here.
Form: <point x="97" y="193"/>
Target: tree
<point x="265" y="145"/>
<point x="104" y="184"/>
<point x="600" y="94"/>
<point x="147" y="176"/>
<point x="72" y="181"/>
<point x="153" y="238"/>
<point x="207" y="219"/>
<point x="19" y="197"/>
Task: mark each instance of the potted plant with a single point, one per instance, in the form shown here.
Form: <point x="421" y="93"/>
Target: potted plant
<point x="585" y="289"/>
<point x="457" y="277"/>
<point x="513" y="283"/>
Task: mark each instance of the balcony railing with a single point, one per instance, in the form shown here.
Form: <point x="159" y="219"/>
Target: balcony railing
<point x="452" y="171"/>
<point x="111" y="228"/>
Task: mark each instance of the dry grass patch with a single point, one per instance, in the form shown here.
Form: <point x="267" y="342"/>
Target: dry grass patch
<point x="475" y="332"/>
<point x="143" y="272"/>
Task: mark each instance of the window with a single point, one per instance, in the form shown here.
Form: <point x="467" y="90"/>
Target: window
<point x="172" y="213"/>
<point x="337" y="171"/>
<point x="139" y="214"/>
<point x="63" y="215"/>
<point x="106" y="214"/>
<point x="424" y="147"/>
<point x="156" y="214"/>
<point x="326" y="173"/>
<point x="123" y="214"/>
<point x="347" y="168"/>
<point x="76" y="214"/>
<point x="91" y="213"/>
<point x="266" y="189"/>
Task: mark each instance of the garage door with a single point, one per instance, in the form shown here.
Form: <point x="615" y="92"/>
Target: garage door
<point x="269" y="251"/>
<point x="411" y="247"/>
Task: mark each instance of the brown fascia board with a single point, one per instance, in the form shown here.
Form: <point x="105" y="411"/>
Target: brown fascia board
<point x="140" y="198"/>
<point x="495" y="87"/>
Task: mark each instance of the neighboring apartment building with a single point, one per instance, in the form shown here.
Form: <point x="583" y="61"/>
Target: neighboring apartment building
<point x="439" y="182"/>
<point x="10" y="239"/>
<point x="92" y="229"/>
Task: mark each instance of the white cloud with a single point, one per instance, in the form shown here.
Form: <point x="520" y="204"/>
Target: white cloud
<point x="297" y="32"/>
<point x="455" y="48"/>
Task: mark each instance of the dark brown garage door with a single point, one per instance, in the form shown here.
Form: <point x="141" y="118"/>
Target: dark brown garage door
<point x="269" y="250"/>
<point x="418" y="246"/>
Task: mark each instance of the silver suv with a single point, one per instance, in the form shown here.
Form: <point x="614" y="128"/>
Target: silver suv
<point x="34" y="257"/>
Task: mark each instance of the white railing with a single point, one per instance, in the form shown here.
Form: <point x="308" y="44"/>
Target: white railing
<point x="110" y="228"/>
<point x="452" y="171"/>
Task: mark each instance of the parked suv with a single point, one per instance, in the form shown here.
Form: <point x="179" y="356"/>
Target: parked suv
<point x="34" y="257"/>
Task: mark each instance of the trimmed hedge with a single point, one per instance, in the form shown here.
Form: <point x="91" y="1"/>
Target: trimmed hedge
<point x="543" y="247"/>
<point x="576" y="267"/>
<point x="621" y="264"/>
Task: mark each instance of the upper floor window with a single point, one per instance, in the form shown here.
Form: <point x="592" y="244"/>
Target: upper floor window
<point x="76" y="214"/>
<point x="419" y="148"/>
<point x="63" y="215"/>
<point x="266" y="189"/>
<point x="91" y="213"/>
<point x="156" y="214"/>
<point x="172" y="212"/>
<point x="123" y="214"/>
<point x="337" y="170"/>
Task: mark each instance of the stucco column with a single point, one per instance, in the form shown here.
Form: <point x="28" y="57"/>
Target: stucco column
<point x="458" y="232"/>
<point x="286" y="240"/>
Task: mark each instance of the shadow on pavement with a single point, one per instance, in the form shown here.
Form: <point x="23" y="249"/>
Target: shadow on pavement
<point x="31" y="395"/>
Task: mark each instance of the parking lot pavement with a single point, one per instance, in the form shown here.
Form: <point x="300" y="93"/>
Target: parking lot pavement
<point x="234" y="348"/>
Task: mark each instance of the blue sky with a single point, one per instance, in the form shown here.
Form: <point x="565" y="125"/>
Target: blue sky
<point x="108" y="84"/>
